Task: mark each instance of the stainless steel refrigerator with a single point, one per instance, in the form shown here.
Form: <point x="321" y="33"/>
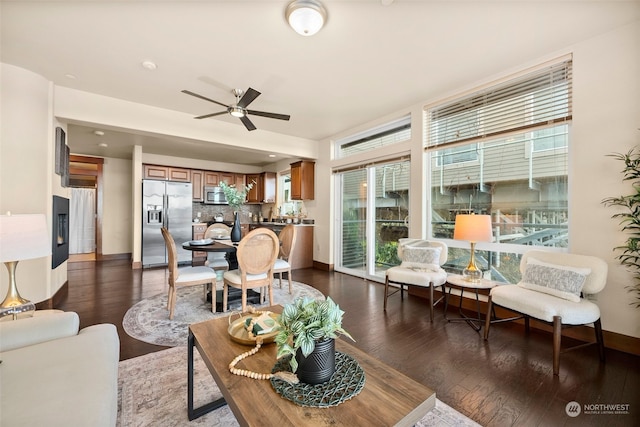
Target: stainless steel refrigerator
<point x="165" y="204"/>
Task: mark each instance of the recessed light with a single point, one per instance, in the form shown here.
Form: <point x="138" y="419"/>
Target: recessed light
<point x="70" y="76"/>
<point x="272" y="155"/>
<point x="98" y="133"/>
<point x="149" y="65"/>
<point x="103" y="145"/>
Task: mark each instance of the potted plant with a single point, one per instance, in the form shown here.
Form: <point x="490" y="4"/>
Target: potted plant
<point x="629" y="218"/>
<point x="236" y="198"/>
<point x="308" y="326"/>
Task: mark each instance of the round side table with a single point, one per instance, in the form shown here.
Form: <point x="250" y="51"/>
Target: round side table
<point x="484" y="286"/>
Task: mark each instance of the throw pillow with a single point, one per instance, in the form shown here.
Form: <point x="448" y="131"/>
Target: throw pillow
<point x="421" y="254"/>
<point x="558" y="280"/>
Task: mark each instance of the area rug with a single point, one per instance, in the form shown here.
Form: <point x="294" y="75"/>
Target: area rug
<point x="148" y="320"/>
<point x="152" y="391"/>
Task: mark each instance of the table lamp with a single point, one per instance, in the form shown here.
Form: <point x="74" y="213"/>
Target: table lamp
<point x="473" y="228"/>
<point x="21" y="237"/>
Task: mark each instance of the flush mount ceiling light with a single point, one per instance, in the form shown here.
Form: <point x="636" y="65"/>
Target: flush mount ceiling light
<point x="306" y="17"/>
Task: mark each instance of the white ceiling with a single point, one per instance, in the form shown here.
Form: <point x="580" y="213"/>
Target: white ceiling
<point x="370" y="60"/>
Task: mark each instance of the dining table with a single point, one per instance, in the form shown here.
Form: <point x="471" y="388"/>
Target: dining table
<point x="215" y="245"/>
<point x="230" y="249"/>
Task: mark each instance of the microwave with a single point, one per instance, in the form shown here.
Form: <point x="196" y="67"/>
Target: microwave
<point x="214" y="196"/>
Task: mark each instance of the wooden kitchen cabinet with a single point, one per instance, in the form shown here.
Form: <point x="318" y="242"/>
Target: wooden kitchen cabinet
<point x="264" y="189"/>
<point x="228" y="178"/>
<point x="197" y="179"/>
<point x="240" y="180"/>
<point x="253" y="196"/>
<point x="167" y="173"/>
<point x="302" y="180"/>
<point x="211" y="179"/>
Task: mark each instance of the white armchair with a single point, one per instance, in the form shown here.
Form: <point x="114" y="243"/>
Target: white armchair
<point x="551" y="290"/>
<point x="421" y="267"/>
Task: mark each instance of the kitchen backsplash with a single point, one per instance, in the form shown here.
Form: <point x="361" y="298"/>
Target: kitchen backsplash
<point x="208" y="212"/>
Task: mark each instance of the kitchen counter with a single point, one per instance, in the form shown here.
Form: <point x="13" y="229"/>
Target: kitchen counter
<point x="302" y="255"/>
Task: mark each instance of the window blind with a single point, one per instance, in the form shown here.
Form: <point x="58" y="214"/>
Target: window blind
<point x="534" y="100"/>
<point x="381" y="136"/>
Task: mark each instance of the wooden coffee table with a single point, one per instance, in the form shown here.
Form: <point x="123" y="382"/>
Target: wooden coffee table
<point x="388" y="397"/>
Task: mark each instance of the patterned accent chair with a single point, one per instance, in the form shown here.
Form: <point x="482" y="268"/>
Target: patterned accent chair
<point x="552" y="290"/>
<point x="420" y="267"/>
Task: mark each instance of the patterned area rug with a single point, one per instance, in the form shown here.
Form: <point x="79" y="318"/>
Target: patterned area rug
<point x="152" y="391"/>
<point x="148" y="320"/>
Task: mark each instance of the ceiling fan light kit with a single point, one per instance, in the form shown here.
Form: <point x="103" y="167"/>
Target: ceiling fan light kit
<point x="306" y="17"/>
<point x="239" y="109"/>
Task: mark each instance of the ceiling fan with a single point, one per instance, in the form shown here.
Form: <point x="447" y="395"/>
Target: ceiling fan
<point x="239" y="109"/>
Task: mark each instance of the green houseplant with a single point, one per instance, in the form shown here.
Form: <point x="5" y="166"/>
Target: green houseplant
<point x="304" y="323"/>
<point x="236" y="197"/>
<point x="629" y="218"/>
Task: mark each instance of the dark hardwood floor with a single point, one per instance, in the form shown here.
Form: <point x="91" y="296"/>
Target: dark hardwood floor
<point x="506" y="381"/>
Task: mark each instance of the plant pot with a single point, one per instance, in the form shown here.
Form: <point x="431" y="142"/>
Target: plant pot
<point x="319" y="366"/>
<point x="236" y="231"/>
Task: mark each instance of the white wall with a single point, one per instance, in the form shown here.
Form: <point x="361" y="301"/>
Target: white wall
<point x="117" y="223"/>
<point x="27" y="178"/>
<point x="606" y="94"/>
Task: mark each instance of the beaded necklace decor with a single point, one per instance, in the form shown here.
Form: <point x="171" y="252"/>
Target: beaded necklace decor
<point x="283" y="375"/>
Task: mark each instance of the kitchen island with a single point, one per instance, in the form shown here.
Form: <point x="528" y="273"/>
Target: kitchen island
<point x="302" y="255"/>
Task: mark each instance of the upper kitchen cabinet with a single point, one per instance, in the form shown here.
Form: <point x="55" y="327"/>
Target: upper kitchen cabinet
<point x="197" y="179"/>
<point x="228" y="178"/>
<point x="167" y="173"/>
<point x="302" y="180"/>
<point x="264" y="189"/>
<point x="211" y="179"/>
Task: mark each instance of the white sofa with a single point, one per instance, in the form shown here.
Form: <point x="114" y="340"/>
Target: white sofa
<point x="52" y="374"/>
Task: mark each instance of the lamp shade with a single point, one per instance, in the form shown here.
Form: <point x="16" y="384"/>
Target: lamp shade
<point x="473" y="228"/>
<point x="306" y="17"/>
<point x="23" y="237"/>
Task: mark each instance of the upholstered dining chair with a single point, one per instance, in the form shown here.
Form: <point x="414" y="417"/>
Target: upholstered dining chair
<point x="420" y="267"/>
<point x="552" y="290"/>
<point x="257" y="253"/>
<point x="283" y="263"/>
<point x="185" y="276"/>
<point x="217" y="260"/>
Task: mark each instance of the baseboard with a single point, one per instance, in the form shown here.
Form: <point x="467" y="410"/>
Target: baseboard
<point x="322" y="266"/>
<point x="612" y="340"/>
<point x="114" y="257"/>
<point x="56" y="299"/>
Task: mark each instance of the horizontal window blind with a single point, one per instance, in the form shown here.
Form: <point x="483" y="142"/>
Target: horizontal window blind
<point x="531" y="101"/>
<point x="381" y="136"/>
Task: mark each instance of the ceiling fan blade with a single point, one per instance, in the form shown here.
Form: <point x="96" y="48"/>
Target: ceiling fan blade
<point x="248" y="97"/>
<point x="247" y="123"/>
<point x="210" y="115"/>
<point x="269" y="115"/>
<point x="188" y="92"/>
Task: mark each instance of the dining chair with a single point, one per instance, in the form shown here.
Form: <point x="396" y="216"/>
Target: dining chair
<point x="552" y="290"/>
<point x="420" y="267"/>
<point x="185" y="276"/>
<point x="283" y="263"/>
<point x="257" y="253"/>
<point x="217" y="260"/>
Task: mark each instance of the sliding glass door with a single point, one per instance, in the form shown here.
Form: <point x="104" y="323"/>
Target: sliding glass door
<point x="373" y="204"/>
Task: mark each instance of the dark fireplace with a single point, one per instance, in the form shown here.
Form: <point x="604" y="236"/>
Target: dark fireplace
<point x="60" y="235"/>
